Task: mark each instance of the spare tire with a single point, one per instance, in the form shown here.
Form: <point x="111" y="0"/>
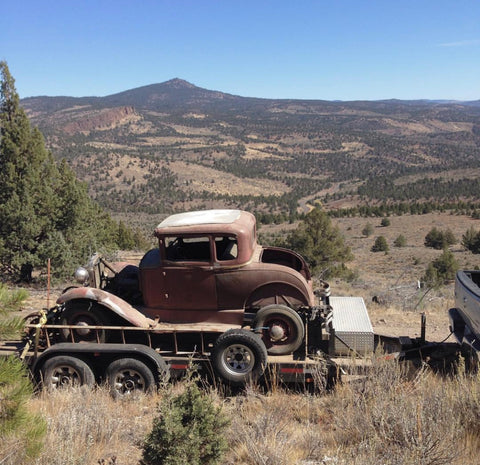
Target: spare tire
<point x="239" y="356"/>
<point x="281" y="328"/>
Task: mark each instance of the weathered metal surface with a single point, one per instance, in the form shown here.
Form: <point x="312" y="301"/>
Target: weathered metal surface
<point x="114" y="303"/>
<point x="237" y="223"/>
<point x="200" y="217"/>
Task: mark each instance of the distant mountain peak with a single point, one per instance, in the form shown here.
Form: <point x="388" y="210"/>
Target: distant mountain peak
<point x="177" y="83"/>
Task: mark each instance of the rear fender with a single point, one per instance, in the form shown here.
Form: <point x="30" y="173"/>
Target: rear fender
<point x="277" y="293"/>
<point x="110" y="301"/>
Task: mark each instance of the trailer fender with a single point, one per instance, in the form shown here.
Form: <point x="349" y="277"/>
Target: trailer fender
<point x="110" y="301"/>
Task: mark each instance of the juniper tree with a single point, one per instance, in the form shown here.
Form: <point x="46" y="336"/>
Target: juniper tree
<point x="471" y="240"/>
<point x="441" y="270"/>
<point x="321" y="243"/>
<point x="367" y="231"/>
<point x="400" y="241"/>
<point x="189" y="429"/>
<point x="45" y="212"/>
<point x="438" y="239"/>
<point x="380" y="245"/>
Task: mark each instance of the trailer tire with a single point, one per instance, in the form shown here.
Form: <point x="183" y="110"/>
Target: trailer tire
<point x="65" y="371"/>
<point x="281" y="328"/>
<point x="127" y="376"/>
<point x="83" y="313"/>
<point x="239" y="356"/>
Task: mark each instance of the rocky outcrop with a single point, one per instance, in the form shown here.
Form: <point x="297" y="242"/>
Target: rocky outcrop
<point x="98" y="120"/>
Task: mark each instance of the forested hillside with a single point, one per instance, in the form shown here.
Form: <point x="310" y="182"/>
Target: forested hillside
<point x="174" y="146"/>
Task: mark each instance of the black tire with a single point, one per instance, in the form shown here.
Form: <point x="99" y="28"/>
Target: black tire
<point x="127" y="376"/>
<point x="64" y="371"/>
<point x="281" y="328"/>
<point x="84" y="313"/>
<point x="239" y="356"/>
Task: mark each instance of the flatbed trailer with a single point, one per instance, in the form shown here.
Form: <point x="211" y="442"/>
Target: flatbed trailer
<point x="140" y="358"/>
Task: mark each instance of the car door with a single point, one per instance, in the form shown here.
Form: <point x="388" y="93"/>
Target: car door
<point x="189" y="277"/>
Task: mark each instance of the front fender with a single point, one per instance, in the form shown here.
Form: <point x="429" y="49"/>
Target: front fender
<point x="110" y="301"/>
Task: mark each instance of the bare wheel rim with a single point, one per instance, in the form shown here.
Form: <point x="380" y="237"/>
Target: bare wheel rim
<point x="65" y="375"/>
<point x="129" y="380"/>
<point x="85" y="320"/>
<point x="279" y="330"/>
<point x="238" y="359"/>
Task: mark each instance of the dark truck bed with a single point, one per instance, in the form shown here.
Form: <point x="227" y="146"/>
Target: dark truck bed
<point x="465" y="316"/>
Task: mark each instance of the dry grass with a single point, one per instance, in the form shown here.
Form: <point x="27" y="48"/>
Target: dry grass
<point x="386" y="417"/>
<point x="85" y="426"/>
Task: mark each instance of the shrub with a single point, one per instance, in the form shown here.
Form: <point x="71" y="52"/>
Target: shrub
<point x="189" y="429"/>
<point x="400" y="241"/>
<point x="441" y="270"/>
<point x="367" y="231"/>
<point x="471" y="240"/>
<point x="389" y="419"/>
<point x="380" y="245"/>
<point x="385" y="222"/>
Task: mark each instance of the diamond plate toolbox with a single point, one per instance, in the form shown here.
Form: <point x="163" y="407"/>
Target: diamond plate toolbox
<point x="352" y="326"/>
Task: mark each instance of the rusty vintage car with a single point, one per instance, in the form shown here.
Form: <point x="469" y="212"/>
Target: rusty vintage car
<point x="208" y="269"/>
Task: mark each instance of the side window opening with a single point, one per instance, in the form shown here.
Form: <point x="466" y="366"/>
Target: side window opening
<point x="195" y="249"/>
<point x="226" y="248"/>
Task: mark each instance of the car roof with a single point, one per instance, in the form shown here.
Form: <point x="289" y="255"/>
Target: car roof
<point x="199" y="218"/>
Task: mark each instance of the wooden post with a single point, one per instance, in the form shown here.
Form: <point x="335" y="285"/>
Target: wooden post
<point x="48" y="283"/>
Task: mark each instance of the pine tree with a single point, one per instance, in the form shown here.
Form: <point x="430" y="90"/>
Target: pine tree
<point x="21" y="432"/>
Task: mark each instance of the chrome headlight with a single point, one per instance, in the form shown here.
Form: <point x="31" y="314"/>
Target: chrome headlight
<point x="81" y="275"/>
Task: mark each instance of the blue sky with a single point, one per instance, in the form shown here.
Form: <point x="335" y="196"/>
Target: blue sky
<point x="324" y="49"/>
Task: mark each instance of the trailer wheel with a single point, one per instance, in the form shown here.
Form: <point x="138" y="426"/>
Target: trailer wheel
<point x="281" y="328"/>
<point x="127" y="376"/>
<point x="239" y="356"/>
<point x="64" y="371"/>
<point x="85" y="313"/>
